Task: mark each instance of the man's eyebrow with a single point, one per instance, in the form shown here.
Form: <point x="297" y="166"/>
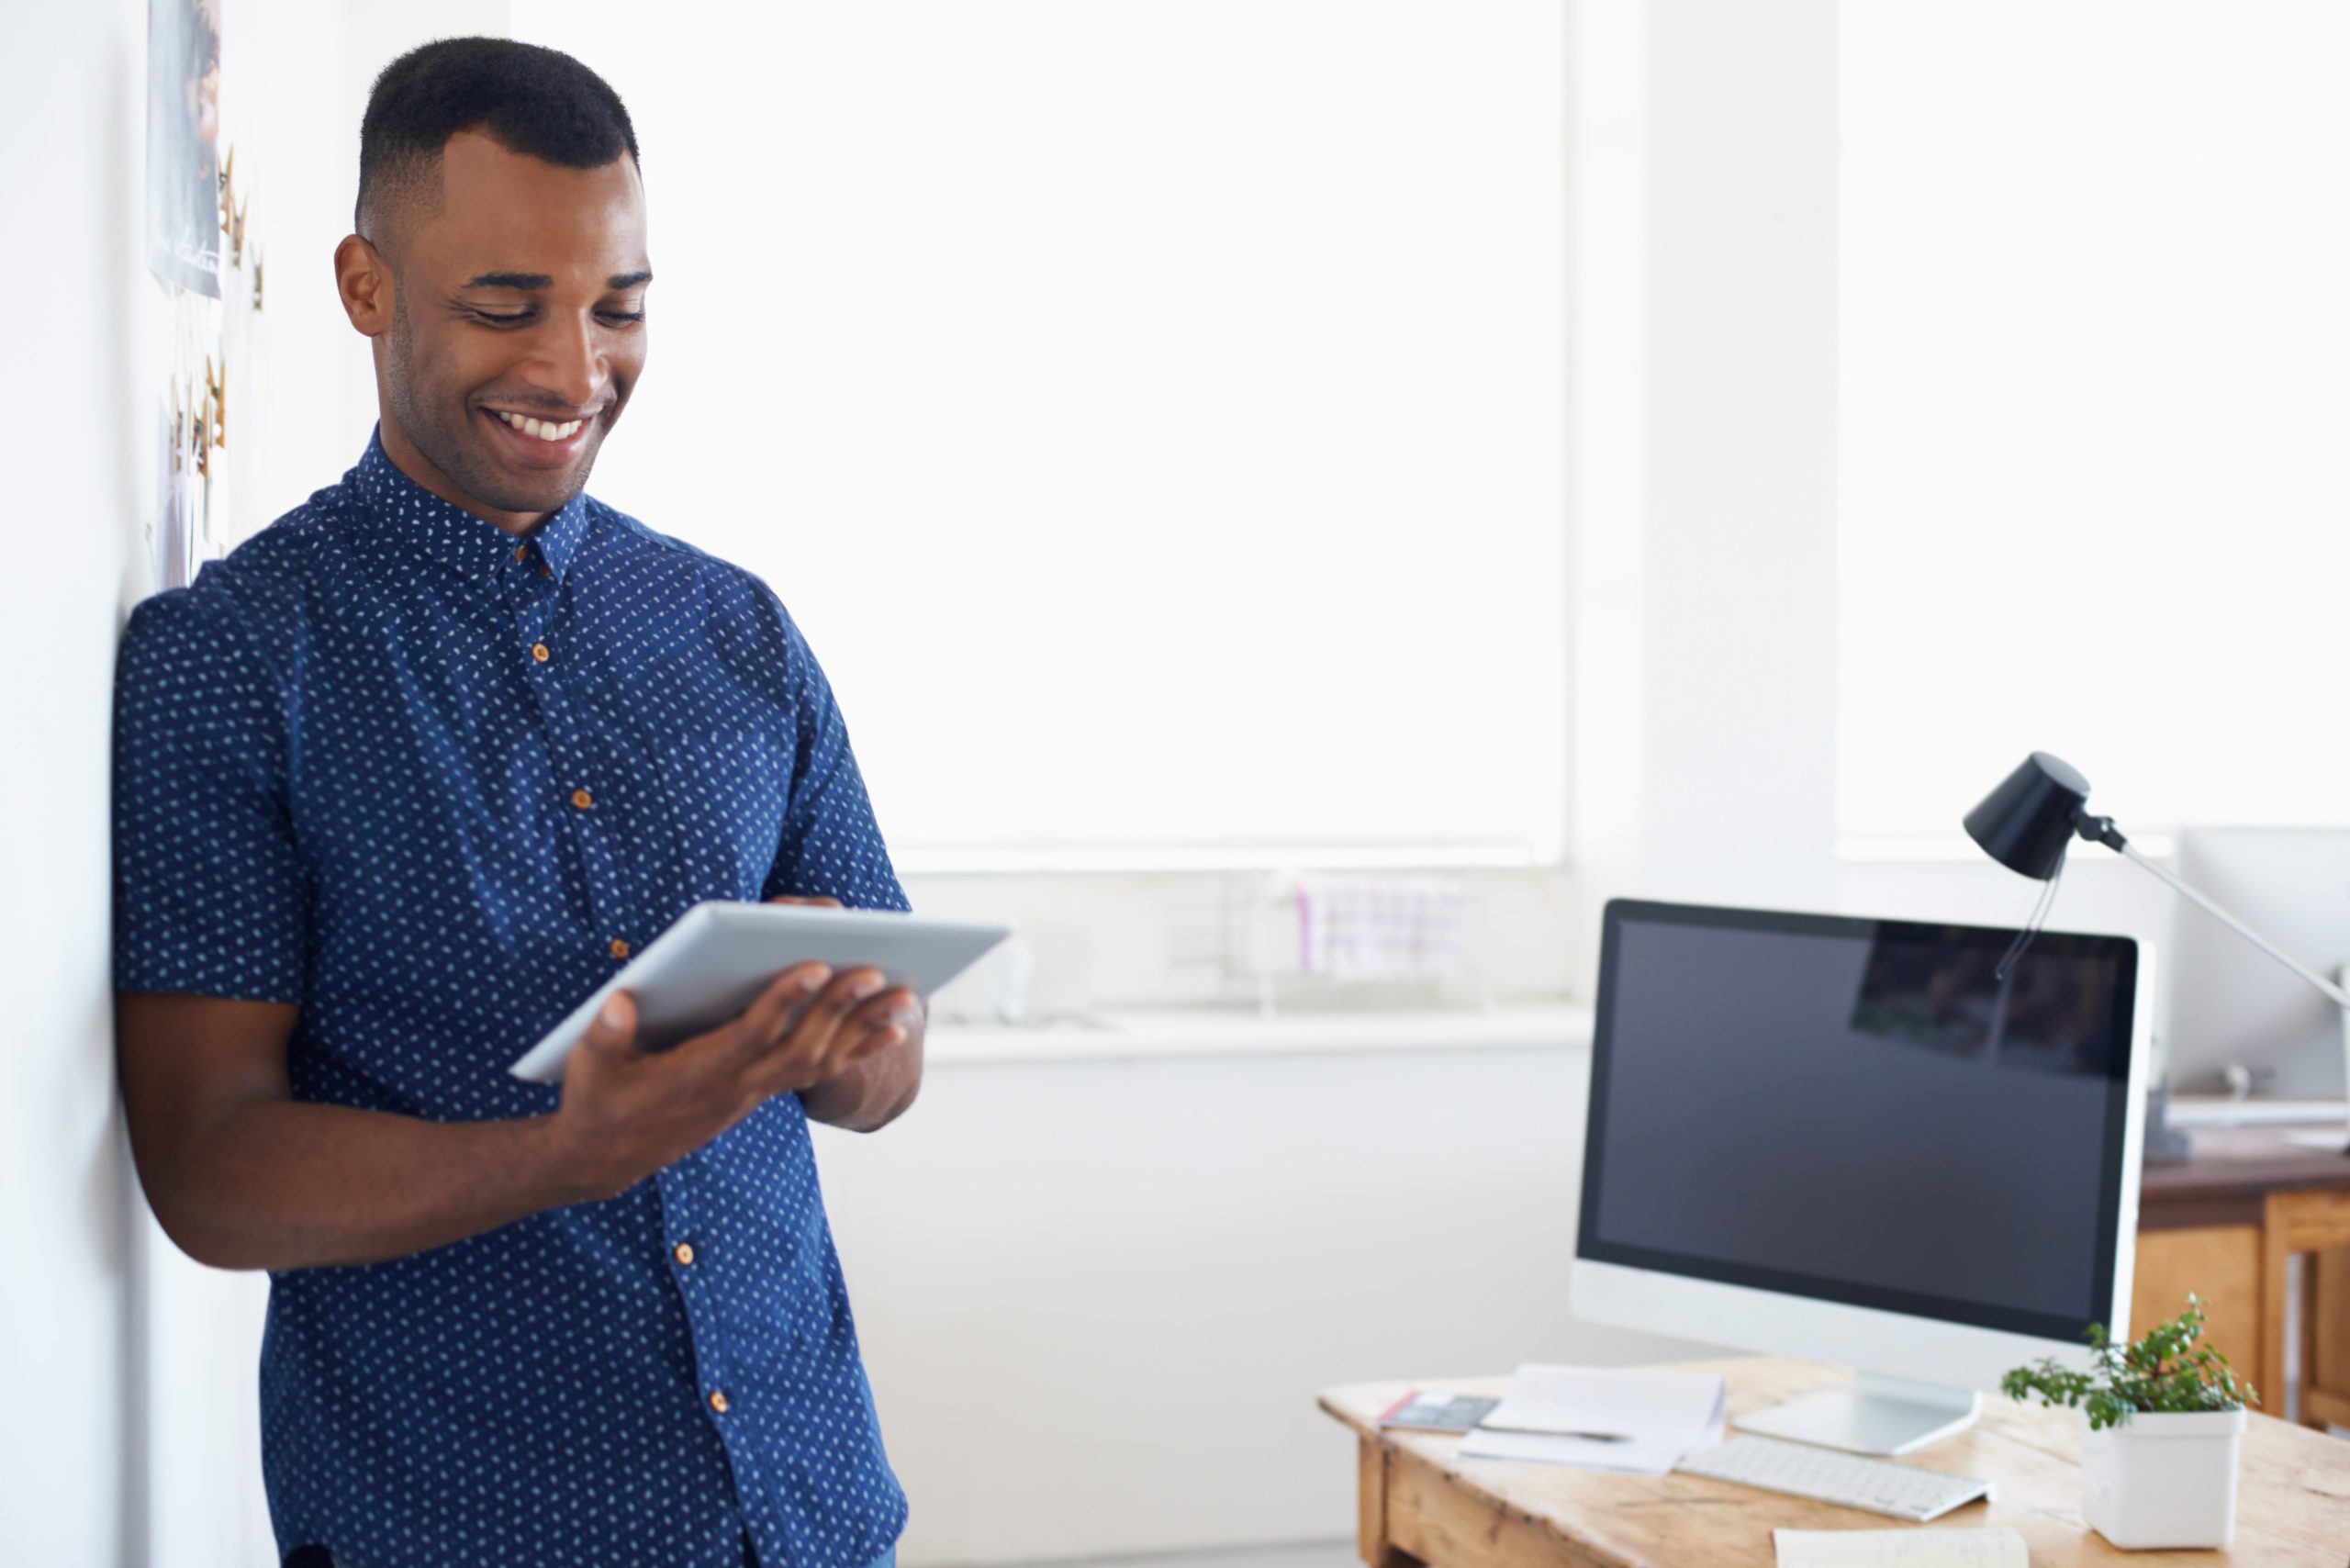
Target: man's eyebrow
<point x="540" y="280"/>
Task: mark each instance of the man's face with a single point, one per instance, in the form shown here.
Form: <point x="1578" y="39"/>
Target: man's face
<point x="521" y="299"/>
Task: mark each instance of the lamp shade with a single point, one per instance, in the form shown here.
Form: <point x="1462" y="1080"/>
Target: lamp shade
<point x="2025" y="824"/>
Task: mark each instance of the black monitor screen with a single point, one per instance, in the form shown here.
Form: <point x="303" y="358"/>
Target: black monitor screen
<point x="1860" y="1111"/>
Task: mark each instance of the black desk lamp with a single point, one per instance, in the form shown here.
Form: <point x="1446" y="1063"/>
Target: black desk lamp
<point x="2026" y="823"/>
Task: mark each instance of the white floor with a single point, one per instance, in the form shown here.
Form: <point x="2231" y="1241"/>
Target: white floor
<point x="1298" y="1554"/>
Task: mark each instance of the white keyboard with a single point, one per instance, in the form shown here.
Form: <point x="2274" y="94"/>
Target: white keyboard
<point x="1800" y="1469"/>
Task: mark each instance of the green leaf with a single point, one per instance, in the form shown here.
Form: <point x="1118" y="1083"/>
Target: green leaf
<point x="2167" y="1370"/>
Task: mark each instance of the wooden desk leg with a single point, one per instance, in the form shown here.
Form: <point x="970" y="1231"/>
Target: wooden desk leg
<point x="2305" y="1306"/>
<point x="2310" y="1221"/>
<point x="2276" y="1246"/>
<point x="2325" y="1392"/>
<point x="1371" y="1509"/>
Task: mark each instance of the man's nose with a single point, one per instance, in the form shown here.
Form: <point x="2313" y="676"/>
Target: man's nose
<point x="571" y="362"/>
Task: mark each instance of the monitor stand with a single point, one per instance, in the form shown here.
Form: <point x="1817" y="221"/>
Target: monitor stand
<point x="1876" y="1414"/>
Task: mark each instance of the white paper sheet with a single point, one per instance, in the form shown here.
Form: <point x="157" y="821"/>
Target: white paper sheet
<point x="1655" y="1457"/>
<point x="1900" y="1548"/>
<point x="1553" y="1415"/>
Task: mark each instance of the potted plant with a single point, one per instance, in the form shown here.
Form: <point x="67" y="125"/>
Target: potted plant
<point x="2165" y="1416"/>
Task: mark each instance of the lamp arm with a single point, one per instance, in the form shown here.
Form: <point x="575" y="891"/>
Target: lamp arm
<point x="2334" y="994"/>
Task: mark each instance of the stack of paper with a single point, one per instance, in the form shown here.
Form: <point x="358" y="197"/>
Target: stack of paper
<point x="1633" y="1419"/>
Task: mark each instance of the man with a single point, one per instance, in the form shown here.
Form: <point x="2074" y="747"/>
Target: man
<point x="398" y="783"/>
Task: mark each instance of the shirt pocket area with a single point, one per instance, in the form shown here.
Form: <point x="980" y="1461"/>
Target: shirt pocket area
<point x="723" y="792"/>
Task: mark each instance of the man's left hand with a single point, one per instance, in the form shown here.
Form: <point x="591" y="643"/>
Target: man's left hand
<point x="882" y="1079"/>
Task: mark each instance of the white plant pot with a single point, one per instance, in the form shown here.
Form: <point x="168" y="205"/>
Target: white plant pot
<point x="2163" y="1481"/>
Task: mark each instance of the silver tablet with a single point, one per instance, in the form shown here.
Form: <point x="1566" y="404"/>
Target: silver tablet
<point x="718" y="957"/>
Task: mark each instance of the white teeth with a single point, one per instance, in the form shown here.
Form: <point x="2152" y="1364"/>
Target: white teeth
<point x="539" y="427"/>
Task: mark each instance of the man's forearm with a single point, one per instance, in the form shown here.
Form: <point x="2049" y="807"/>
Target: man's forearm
<point x="277" y="1184"/>
<point x="874" y="1093"/>
<point x="283" y="1184"/>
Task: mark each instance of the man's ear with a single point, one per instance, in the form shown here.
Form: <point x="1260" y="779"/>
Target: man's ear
<point x="363" y="282"/>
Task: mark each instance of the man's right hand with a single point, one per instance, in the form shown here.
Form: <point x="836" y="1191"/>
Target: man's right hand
<point x="627" y="1114"/>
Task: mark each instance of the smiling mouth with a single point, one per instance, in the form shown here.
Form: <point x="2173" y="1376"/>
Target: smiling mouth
<point x="544" y="430"/>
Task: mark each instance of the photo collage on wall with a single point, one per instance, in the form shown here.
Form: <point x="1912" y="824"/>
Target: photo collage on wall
<point x="200" y="252"/>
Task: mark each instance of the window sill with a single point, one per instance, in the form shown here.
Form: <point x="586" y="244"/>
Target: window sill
<point x="1189" y="1033"/>
<point x="1954" y="848"/>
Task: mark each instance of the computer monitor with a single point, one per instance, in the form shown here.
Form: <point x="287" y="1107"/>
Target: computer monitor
<point x="1846" y="1141"/>
<point x="2231" y="1004"/>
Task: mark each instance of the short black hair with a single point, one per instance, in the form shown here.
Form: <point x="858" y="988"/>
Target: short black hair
<point x="528" y="99"/>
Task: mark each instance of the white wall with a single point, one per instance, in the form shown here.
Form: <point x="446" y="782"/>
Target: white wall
<point x="1097" y="1297"/>
<point x="1094" y="1295"/>
<point x="1705" y="530"/>
<point x="1706" y="534"/>
<point x="77" y="403"/>
<point x="1740" y="578"/>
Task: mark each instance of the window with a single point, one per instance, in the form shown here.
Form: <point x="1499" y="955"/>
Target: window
<point x="2094" y="337"/>
<point x="1155" y="414"/>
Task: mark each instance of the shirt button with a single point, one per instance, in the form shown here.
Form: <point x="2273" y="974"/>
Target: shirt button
<point x="545" y="570"/>
<point x="718" y="1401"/>
<point x="582" y="799"/>
<point x="619" y="950"/>
<point x="683" y="1252"/>
<point x="539" y="652"/>
<point x="522" y="552"/>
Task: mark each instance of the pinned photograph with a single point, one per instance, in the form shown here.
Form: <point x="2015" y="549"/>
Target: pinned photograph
<point x="183" y="143"/>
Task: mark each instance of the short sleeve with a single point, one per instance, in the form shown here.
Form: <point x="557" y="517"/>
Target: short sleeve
<point x="210" y="895"/>
<point x="830" y="843"/>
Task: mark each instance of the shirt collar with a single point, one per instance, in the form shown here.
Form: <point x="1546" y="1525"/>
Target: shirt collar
<point x="471" y="546"/>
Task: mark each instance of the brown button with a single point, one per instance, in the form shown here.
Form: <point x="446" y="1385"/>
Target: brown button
<point x="582" y="799"/>
<point x="618" y="947"/>
<point x="683" y="1252"/>
<point x="522" y="552"/>
<point x="545" y="570"/>
<point x="718" y="1401"/>
<point x="539" y="652"/>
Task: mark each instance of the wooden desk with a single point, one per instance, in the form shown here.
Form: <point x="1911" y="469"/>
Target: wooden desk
<point x="2223" y="1224"/>
<point x="1419" y="1504"/>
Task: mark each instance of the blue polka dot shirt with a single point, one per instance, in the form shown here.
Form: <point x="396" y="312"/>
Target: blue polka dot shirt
<point x="433" y="783"/>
